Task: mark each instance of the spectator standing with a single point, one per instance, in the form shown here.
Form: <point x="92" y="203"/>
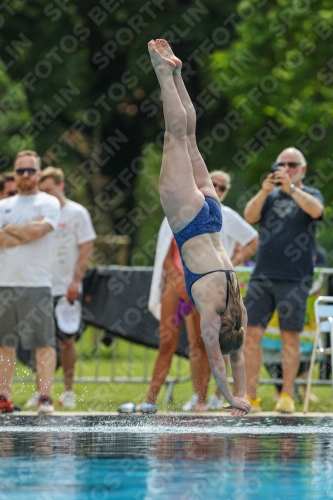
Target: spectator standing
<point x="26" y="308"/>
<point x="288" y="213"/>
<point x="8" y="186"/>
<point x="73" y="246"/>
<point x="240" y="241"/>
<point x="275" y="369"/>
<point x="239" y="238"/>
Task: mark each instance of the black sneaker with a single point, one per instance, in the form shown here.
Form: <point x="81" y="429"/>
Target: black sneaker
<point x="45" y="405"/>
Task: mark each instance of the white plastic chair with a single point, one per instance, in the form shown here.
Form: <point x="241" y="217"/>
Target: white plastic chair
<point x="323" y="309"/>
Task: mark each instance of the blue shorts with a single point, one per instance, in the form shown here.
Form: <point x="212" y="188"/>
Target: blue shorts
<point x="287" y="297"/>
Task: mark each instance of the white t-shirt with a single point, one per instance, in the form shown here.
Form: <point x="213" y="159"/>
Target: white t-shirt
<point x="235" y="230"/>
<point x="74" y="228"/>
<point x="164" y="240"/>
<point x="29" y="264"/>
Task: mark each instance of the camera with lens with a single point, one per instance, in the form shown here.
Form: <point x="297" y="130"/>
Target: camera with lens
<point x="274" y="167"/>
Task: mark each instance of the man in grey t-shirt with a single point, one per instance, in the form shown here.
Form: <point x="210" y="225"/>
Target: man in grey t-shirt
<point x="288" y="213"/>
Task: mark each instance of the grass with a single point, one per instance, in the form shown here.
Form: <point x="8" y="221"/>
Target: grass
<point x="114" y="361"/>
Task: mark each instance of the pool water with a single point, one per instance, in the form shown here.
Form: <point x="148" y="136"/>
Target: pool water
<point x="165" y="457"/>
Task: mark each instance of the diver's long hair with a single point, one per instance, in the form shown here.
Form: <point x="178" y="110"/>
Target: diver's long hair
<point x="232" y="333"/>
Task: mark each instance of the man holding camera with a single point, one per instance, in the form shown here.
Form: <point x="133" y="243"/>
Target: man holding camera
<point x="288" y="213"/>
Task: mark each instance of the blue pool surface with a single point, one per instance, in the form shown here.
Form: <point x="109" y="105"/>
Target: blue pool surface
<point x="165" y="457"/>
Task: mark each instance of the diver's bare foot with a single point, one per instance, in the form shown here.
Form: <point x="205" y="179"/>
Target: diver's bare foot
<point x="164" y="48"/>
<point x="159" y="61"/>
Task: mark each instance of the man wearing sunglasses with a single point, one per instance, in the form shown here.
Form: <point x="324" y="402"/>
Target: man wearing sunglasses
<point x="26" y="254"/>
<point x="7" y="185"/>
<point x="287" y="212"/>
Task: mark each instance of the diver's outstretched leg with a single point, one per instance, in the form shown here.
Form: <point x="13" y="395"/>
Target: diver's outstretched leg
<point x="180" y="196"/>
<point x="200" y="172"/>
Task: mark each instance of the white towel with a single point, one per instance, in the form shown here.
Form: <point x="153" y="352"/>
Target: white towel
<point x="164" y="240"/>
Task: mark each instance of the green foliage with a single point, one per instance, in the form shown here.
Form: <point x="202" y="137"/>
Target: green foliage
<point x="86" y="63"/>
<point x="14" y="113"/>
<point x="147" y="200"/>
<point x="266" y="86"/>
<point x="278" y="77"/>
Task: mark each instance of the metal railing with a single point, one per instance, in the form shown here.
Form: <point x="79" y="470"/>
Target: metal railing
<point x="122" y="362"/>
<point x="133" y="364"/>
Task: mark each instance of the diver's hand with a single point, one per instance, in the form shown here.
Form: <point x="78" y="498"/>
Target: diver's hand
<point x="238" y="406"/>
<point x="235" y="412"/>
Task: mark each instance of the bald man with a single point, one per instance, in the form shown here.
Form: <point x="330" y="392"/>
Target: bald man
<point x="288" y="213"/>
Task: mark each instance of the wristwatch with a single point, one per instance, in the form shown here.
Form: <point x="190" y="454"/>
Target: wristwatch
<point x="292" y="189"/>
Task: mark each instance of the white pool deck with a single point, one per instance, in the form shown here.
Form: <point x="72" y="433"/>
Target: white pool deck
<point x="169" y="414"/>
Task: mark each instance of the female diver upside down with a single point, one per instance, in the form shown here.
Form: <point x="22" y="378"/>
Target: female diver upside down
<point x="193" y="210"/>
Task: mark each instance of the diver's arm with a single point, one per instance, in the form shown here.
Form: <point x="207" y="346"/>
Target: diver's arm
<point x="210" y="326"/>
<point x="238" y="365"/>
<point x="238" y="372"/>
<point x="217" y="364"/>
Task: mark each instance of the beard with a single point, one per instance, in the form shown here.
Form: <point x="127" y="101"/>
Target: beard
<point x="26" y="185"/>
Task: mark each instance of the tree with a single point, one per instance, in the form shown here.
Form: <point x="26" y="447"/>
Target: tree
<point x="14" y="113"/>
<point x="277" y="77"/>
<point x="91" y="90"/>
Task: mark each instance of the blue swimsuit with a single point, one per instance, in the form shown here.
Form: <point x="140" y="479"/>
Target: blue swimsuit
<point x="208" y="220"/>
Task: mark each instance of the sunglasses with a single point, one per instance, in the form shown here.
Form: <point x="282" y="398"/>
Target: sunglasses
<point x="12" y="192"/>
<point x="290" y="164"/>
<point x="219" y="187"/>
<point x="30" y="171"/>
